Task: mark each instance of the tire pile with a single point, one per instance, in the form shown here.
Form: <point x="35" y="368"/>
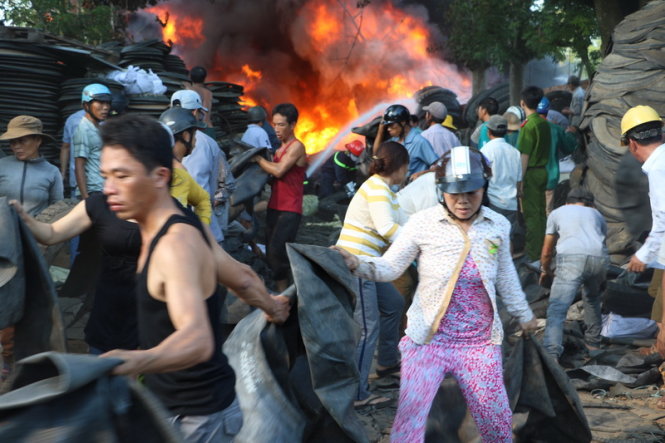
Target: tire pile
<point x="632" y="74"/>
<point x="42" y="75"/>
<point x="430" y="94"/>
<point x="30" y="78"/>
<point x="227" y="115"/>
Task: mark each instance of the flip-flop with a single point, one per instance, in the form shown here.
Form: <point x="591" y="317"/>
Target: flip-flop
<point x="373" y="400"/>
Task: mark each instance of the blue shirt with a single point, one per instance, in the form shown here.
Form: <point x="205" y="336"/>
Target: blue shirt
<point x="421" y="154"/>
<point x="71" y="124"/>
<point x="272" y="135"/>
<point x="203" y="165"/>
<point x="88" y="144"/>
<point x="256" y="136"/>
<point x="484" y="136"/>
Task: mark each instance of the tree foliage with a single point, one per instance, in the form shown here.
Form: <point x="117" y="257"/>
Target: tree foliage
<point x="90" y="23"/>
<point x="565" y="24"/>
<point x="490" y="32"/>
<point x="501" y="32"/>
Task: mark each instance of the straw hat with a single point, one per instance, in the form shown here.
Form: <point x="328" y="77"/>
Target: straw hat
<point x="23" y="125"/>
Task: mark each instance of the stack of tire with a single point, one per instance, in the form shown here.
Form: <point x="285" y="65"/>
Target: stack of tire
<point x="632" y="74"/>
<point x="500" y="93"/>
<point x="30" y="77"/>
<point x="430" y="94"/>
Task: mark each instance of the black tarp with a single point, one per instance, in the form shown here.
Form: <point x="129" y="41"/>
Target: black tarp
<point x="297" y="381"/>
<point x="72" y="398"/>
<point x="28" y="299"/>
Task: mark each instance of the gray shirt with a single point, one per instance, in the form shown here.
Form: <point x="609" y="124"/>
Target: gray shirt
<point x="36" y="184"/>
<point x="581" y="230"/>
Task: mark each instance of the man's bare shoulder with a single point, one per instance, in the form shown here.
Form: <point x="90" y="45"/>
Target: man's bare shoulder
<point x="298" y="148"/>
<point x="183" y="244"/>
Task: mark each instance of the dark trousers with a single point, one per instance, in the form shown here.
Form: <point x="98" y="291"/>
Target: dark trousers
<point x="533" y="206"/>
<point x="281" y="228"/>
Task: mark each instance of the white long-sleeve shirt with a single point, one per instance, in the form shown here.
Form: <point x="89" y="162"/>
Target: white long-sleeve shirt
<point x="654" y="168"/>
<point x="441" y="247"/>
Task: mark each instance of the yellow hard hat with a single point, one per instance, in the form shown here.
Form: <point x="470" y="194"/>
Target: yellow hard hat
<point x="637" y="116"/>
<point x="448" y="122"/>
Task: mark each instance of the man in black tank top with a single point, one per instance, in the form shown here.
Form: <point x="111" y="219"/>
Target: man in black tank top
<point x="178" y="270"/>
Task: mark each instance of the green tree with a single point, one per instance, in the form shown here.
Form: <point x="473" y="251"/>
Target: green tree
<point x="91" y="23"/>
<point x="487" y="33"/>
<point x="565" y="24"/>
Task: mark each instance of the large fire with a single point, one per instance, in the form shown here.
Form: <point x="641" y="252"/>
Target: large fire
<point x="349" y="58"/>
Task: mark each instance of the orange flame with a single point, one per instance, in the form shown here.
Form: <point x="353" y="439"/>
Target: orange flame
<point x="179" y="30"/>
<point x="250" y="73"/>
<point x="356" y="62"/>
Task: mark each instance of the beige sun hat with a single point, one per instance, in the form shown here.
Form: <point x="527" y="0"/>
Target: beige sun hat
<point x="23" y="125"/>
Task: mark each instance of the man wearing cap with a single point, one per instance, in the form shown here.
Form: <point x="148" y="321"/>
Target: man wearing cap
<point x="96" y="102"/>
<point x="514" y="115"/>
<point x="534" y="145"/>
<point x="506" y="171"/>
<point x="255" y="135"/>
<point x="205" y="161"/>
<point x="578" y="232"/>
<point x="441" y="139"/>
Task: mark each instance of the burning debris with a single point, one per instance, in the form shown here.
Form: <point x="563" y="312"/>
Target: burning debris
<point x="334" y="59"/>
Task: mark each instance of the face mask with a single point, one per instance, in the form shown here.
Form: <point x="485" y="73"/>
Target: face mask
<point x="395" y="188"/>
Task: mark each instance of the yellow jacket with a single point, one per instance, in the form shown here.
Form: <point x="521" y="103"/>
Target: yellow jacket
<point x="189" y="193"/>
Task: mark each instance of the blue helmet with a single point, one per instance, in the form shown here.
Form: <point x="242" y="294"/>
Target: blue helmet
<point x="96" y="91"/>
<point x="543" y="106"/>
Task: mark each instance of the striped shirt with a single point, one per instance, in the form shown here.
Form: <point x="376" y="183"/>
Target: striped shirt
<point x="372" y="220"/>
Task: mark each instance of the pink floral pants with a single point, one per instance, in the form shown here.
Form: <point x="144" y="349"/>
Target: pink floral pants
<point x="477" y="369"/>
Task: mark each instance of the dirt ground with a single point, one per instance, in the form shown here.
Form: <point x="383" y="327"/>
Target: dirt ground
<point x="617" y="415"/>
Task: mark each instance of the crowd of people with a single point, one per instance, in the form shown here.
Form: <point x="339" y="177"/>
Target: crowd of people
<point x="155" y="196"/>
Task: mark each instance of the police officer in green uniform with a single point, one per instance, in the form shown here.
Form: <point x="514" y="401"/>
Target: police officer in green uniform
<point x="562" y="143"/>
<point x="534" y="143"/>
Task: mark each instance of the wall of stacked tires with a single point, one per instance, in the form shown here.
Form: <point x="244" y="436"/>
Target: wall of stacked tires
<point x="632" y="73"/>
<point x="42" y="75"/>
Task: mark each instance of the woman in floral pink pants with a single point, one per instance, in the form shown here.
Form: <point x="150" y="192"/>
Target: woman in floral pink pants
<point x="463" y="254"/>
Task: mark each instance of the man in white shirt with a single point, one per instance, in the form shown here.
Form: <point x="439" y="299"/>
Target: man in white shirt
<point x="205" y="160"/>
<point x="441" y="138"/>
<point x="641" y="131"/>
<point x="506" y="170"/>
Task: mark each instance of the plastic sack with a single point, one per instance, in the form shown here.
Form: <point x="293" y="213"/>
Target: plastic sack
<point x="138" y="81"/>
<point x="615" y="325"/>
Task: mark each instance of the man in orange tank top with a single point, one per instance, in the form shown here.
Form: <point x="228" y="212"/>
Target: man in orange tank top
<point x="285" y="205"/>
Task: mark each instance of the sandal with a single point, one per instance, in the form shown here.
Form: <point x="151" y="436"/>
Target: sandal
<point x="373" y="400"/>
<point x="393" y="370"/>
